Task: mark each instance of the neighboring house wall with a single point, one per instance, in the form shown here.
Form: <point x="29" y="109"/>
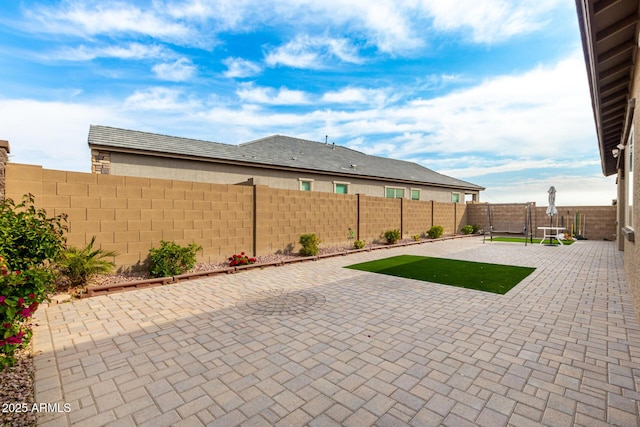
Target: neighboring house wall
<point x="192" y="170"/>
<point x="4" y="158"/>
<point x="130" y="215"/>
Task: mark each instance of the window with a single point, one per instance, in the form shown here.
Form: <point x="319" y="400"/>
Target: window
<point x="305" y="185"/>
<point x="628" y="178"/>
<point x="455" y="197"/>
<point x="341" y="188"/>
<point x="394" y="193"/>
<point x="415" y="194"/>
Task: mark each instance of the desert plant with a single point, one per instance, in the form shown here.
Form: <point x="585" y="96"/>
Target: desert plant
<point x="392" y="236"/>
<point x="310" y="243"/>
<point x="241" y="259"/>
<point x="359" y="244"/>
<point x="467" y="229"/>
<point x="416" y="237"/>
<point x="435" y="231"/>
<point x="79" y="264"/>
<point x="171" y="259"/>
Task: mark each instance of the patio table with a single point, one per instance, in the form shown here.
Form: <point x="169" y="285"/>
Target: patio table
<point x="552" y="233"/>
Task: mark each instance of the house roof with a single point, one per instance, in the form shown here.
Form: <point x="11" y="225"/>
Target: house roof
<point x="277" y="151"/>
<point x="610" y="40"/>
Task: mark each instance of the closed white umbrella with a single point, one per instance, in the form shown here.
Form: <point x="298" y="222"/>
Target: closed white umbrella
<point x="551" y="209"/>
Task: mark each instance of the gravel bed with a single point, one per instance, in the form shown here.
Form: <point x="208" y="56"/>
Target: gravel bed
<point x="16" y="388"/>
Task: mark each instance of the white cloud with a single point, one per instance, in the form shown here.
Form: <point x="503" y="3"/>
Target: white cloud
<point x="134" y="51"/>
<point x="248" y="92"/>
<point x="178" y="71"/>
<point x="160" y="99"/>
<point x="52" y="134"/>
<point x="313" y="53"/>
<point x="354" y="95"/>
<point x="90" y="18"/>
<point x="239" y="68"/>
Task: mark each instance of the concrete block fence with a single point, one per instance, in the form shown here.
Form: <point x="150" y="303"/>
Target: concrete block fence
<point x="130" y="215"/>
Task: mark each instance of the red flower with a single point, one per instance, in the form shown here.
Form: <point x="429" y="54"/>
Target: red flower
<point x="20" y="301"/>
<point x="2" y="298"/>
<point x="32" y="295"/>
<point x="26" y="313"/>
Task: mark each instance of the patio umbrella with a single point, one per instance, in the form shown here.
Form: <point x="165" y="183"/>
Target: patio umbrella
<point x="551" y="209"/>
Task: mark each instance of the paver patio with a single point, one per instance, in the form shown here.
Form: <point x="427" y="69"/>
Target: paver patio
<point x="317" y="344"/>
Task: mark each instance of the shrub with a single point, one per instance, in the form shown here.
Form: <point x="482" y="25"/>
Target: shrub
<point x="359" y="244"/>
<point x="29" y="243"/>
<point x="467" y="229"/>
<point x="392" y="236"/>
<point x="309" y="244"/>
<point x="27" y="236"/>
<point x="416" y="237"/>
<point x="435" y="231"/>
<point x="171" y="259"/>
<point x="241" y="259"/>
<point x="79" y="264"/>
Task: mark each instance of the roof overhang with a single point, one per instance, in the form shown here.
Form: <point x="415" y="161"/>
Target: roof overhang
<point x="609" y="40"/>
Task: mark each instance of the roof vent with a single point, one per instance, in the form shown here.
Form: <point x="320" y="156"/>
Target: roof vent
<point x="354" y="166"/>
<point x="333" y="146"/>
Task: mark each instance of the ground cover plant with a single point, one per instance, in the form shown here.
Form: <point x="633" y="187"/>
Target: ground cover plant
<point x="494" y="278"/>
<point x="522" y="239"/>
<point x="80" y="264"/>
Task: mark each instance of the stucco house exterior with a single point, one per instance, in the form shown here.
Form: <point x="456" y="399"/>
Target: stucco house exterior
<point x="609" y="30"/>
<point x="276" y="161"/>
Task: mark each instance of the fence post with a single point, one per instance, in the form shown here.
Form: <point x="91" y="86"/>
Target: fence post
<point x="4" y="158"/>
<point x="358" y="218"/>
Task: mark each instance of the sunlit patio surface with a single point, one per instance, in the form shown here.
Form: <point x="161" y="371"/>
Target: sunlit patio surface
<point x="314" y="343"/>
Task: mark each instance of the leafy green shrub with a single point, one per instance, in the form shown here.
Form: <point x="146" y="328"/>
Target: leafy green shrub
<point x="29" y="243"/>
<point x="392" y="236"/>
<point x="359" y="244"/>
<point x="310" y="243"/>
<point x="475" y="228"/>
<point x="79" y="264"/>
<point x="27" y="236"/>
<point x="171" y="259"/>
<point x="467" y="229"/>
<point x="416" y="237"/>
<point x="435" y="231"/>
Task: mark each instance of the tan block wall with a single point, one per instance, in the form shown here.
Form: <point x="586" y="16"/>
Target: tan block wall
<point x="377" y="215"/>
<point x="283" y="215"/>
<point x="417" y="217"/>
<point x="600" y="221"/>
<point x="130" y="215"/>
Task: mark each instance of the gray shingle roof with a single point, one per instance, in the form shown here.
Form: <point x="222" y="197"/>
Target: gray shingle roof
<point x="276" y="151"/>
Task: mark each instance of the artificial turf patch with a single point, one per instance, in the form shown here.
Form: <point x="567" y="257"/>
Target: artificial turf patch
<point x="480" y="276"/>
<point x="535" y="241"/>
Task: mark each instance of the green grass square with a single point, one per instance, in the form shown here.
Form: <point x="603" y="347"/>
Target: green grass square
<point x="496" y="278"/>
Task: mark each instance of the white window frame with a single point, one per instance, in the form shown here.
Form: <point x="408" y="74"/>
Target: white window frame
<point x="395" y="189"/>
<point x="310" y="181"/>
<point x="336" y="183"/>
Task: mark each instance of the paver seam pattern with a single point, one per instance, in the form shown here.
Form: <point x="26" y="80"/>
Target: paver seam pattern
<point x="562" y="348"/>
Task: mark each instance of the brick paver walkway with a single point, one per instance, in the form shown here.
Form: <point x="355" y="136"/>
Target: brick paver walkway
<point x="316" y="344"/>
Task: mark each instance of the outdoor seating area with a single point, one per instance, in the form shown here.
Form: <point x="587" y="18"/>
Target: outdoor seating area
<point x="314" y="343"/>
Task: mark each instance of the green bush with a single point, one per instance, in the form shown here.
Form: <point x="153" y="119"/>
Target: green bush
<point x="359" y="244"/>
<point x="416" y="237"/>
<point x="310" y="243"/>
<point x="27" y="236"/>
<point x="79" y="264"/>
<point x="467" y="229"/>
<point x="435" y="231"/>
<point x="392" y="236"/>
<point x="29" y="244"/>
<point x="171" y="259"/>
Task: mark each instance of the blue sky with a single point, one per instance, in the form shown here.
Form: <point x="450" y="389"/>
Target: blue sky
<point x="493" y="92"/>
